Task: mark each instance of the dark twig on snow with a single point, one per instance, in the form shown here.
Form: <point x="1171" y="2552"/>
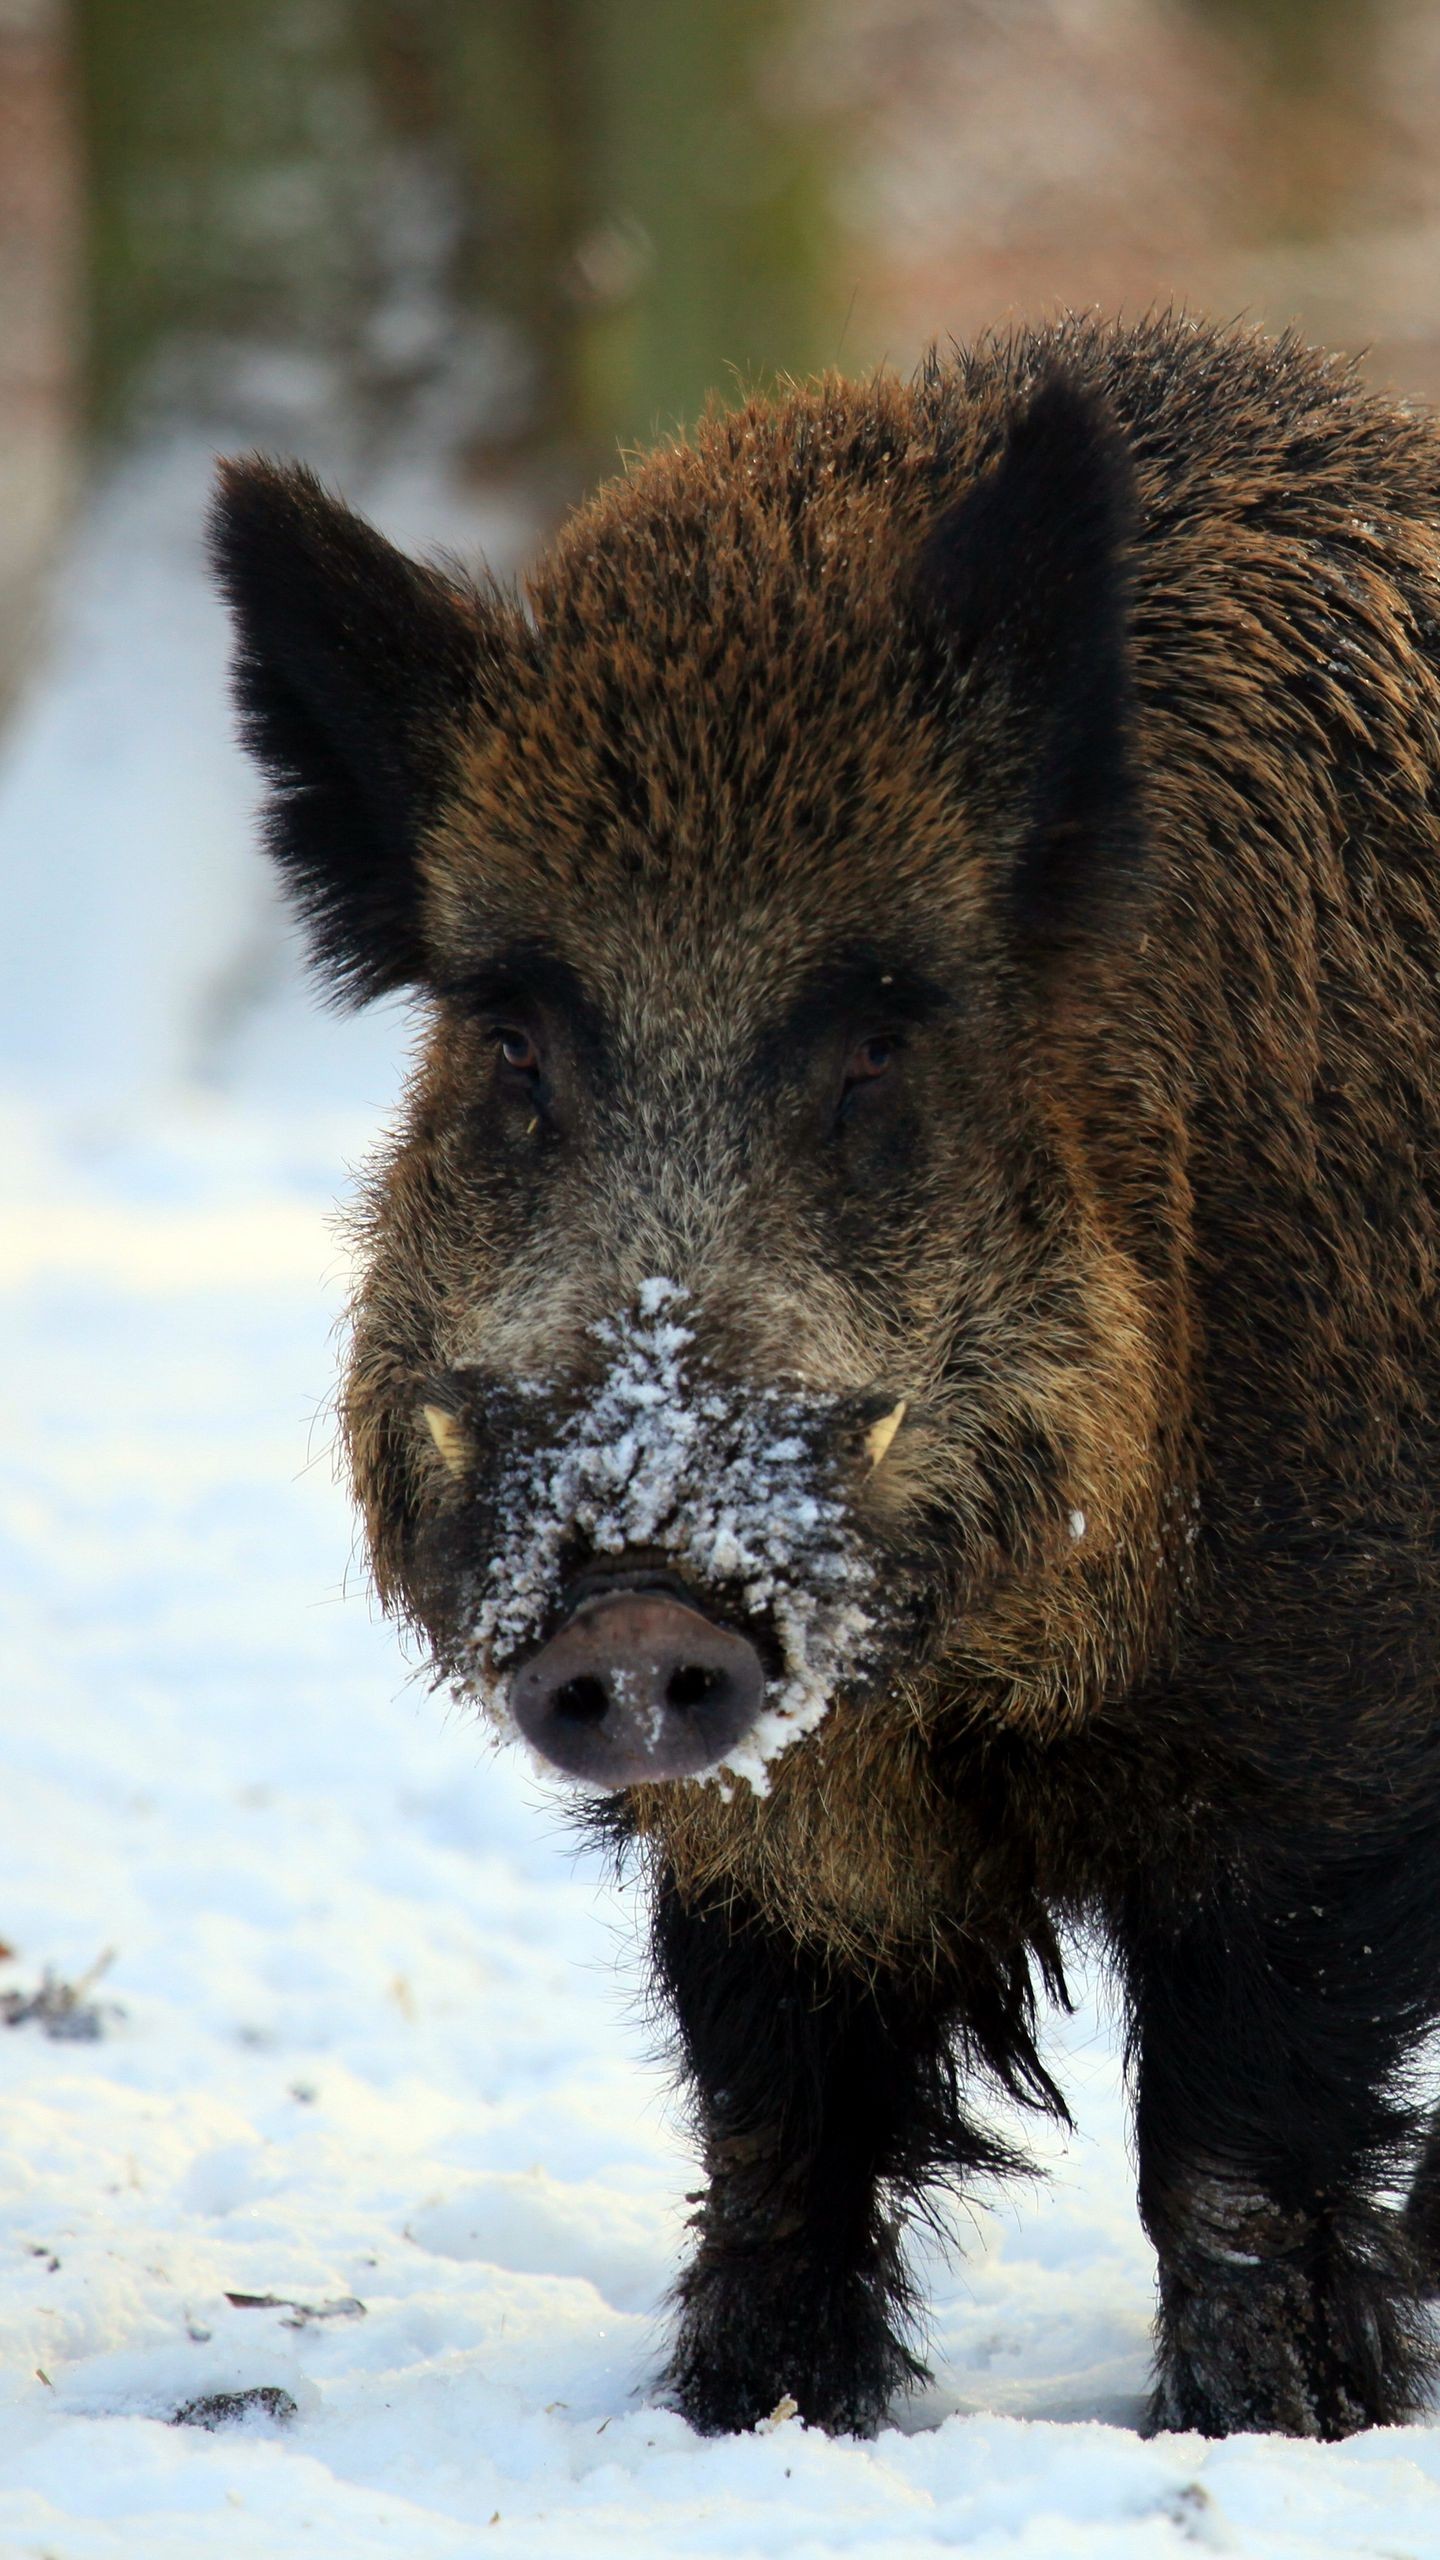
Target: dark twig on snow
<point x="342" y="2306"/>
<point x="228" y="2408"/>
<point x="63" y="2010"/>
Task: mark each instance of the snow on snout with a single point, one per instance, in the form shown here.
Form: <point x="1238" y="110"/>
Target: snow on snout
<point x="725" y="1481"/>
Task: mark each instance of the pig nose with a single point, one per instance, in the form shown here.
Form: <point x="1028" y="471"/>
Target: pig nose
<point x="637" y="1685"/>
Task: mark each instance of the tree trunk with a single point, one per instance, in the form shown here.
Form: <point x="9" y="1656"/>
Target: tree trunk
<point x="615" y="197"/>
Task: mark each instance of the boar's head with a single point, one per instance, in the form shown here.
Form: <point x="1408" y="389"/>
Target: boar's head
<point x="745" y="1334"/>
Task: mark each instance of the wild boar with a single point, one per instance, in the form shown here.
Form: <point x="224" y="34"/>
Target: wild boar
<point x="899" y="1339"/>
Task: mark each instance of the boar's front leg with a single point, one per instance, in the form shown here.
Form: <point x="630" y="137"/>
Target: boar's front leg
<point x="823" y="2099"/>
<point x="1271" y="2033"/>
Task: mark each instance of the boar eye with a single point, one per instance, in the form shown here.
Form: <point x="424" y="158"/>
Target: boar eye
<point x="517" y="1049"/>
<point x="871" y="1059"/>
<point x="866" y="1064"/>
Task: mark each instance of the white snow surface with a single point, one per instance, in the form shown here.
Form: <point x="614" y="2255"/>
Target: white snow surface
<point x="370" y="2034"/>
<point x="658" y="1455"/>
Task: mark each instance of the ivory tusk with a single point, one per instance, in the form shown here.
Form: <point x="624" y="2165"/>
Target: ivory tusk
<point x="881" y="1433"/>
<point x="448" y="1437"/>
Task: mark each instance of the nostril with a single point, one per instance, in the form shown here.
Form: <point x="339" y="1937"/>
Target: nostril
<point x="583" y="1700"/>
<point x="692" y="1685"/>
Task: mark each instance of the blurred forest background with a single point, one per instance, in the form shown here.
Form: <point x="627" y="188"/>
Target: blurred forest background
<point x="535" y="229"/>
<point x="503" y="239"/>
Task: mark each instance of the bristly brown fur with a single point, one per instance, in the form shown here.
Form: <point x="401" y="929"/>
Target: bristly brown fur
<point x="1084" y="693"/>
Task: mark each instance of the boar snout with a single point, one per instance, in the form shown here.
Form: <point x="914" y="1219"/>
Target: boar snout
<point x="637" y="1685"/>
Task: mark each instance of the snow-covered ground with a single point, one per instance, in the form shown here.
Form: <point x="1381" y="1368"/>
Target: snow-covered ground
<point x="370" y="2045"/>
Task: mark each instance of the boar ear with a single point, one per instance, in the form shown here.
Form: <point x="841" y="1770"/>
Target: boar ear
<point x="1027" y="578"/>
<point x="353" y="668"/>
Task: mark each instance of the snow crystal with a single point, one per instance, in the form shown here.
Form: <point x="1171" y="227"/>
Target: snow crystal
<point x="726" y="1482"/>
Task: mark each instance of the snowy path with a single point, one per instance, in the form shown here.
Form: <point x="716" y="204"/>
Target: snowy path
<point x="377" y="2041"/>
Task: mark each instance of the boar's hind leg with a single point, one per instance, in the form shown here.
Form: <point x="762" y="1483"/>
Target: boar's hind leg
<point x="823" y="2101"/>
<point x="1267" y="2126"/>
